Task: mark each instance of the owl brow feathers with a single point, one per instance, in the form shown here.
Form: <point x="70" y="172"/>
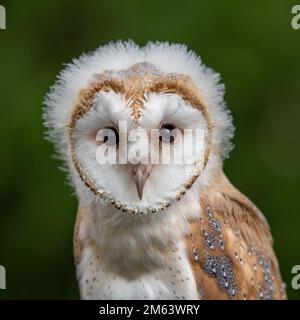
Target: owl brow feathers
<point x="134" y="83"/>
<point x="87" y="96"/>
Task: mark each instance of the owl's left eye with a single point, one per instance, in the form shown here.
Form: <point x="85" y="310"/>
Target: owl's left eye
<point x="167" y="133"/>
<point x="109" y="136"/>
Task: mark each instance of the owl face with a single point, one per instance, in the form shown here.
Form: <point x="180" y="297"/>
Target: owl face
<point x="137" y="141"/>
<point x="137" y="138"/>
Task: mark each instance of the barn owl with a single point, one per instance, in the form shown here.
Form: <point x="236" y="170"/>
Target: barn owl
<point x="149" y="229"/>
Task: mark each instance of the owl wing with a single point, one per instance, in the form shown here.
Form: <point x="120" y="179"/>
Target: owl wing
<point x="230" y="248"/>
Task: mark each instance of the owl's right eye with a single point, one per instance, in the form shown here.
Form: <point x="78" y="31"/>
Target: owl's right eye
<point x="167" y="133"/>
<point x="109" y="136"/>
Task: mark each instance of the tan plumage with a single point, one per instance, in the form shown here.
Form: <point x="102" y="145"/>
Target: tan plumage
<point x="156" y="230"/>
<point x="245" y="241"/>
<point x="238" y="233"/>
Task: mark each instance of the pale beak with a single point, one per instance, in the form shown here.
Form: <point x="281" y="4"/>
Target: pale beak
<point x="140" y="173"/>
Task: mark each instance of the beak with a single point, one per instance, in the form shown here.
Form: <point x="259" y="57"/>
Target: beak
<point x="140" y="174"/>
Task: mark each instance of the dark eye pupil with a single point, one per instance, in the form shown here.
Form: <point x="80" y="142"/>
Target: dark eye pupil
<point x="111" y="136"/>
<point x="167" y="133"/>
<point x="105" y="138"/>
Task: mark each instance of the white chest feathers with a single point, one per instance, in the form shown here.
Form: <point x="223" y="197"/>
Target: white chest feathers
<point x="174" y="280"/>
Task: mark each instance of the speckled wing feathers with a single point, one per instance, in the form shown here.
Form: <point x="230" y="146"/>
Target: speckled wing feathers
<point x="230" y="248"/>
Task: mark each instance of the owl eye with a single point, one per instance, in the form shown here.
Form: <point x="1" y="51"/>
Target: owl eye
<point x="109" y="136"/>
<point x="167" y="133"/>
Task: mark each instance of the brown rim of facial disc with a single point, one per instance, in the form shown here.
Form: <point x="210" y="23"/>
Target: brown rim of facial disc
<point x="135" y="85"/>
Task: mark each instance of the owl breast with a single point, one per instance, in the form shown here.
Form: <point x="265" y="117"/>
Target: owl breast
<point x="174" y="280"/>
<point x="149" y="261"/>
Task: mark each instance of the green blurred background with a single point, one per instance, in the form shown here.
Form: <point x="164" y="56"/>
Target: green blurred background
<point x="252" y="45"/>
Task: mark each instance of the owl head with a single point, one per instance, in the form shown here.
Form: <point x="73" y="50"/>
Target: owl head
<point x="138" y="127"/>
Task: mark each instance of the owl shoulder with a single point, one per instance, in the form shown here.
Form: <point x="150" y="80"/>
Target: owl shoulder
<point x="230" y="247"/>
